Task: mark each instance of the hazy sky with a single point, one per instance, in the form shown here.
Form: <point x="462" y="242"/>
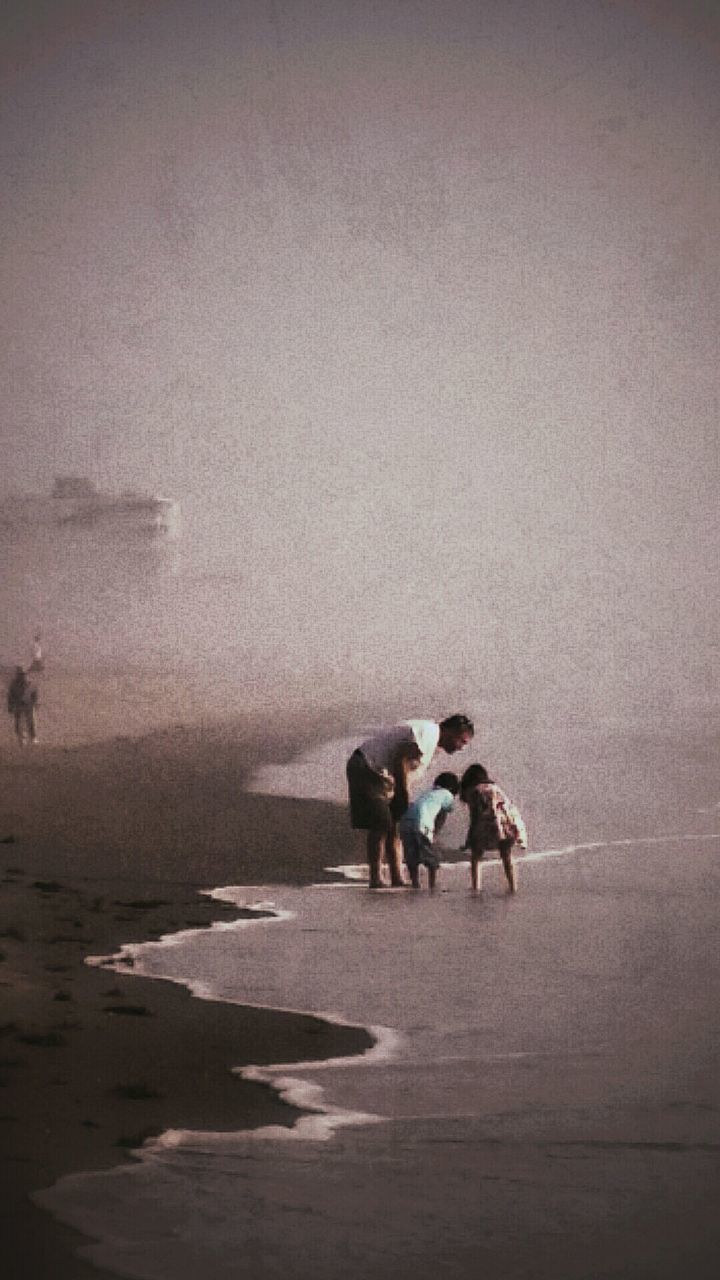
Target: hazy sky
<point x="424" y="293"/>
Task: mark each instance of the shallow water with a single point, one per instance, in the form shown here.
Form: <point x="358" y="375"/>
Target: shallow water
<point x="452" y="448"/>
<point x="542" y="1098"/>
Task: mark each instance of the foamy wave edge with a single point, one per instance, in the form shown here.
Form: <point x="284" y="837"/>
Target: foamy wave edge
<point x="320" y="1120"/>
<point x="355" y="873"/>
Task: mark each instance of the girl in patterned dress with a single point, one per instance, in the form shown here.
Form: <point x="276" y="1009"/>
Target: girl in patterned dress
<point x="495" y="823"/>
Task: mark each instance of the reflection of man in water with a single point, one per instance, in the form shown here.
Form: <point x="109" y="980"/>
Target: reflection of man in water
<point x="378" y="775"/>
<point x="22" y="701"/>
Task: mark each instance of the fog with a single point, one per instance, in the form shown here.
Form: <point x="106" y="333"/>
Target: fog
<point x="413" y="306"/>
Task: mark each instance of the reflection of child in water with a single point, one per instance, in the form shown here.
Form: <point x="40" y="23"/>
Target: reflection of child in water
<point x="420" y="824"/>
<point x="495" y="823"/>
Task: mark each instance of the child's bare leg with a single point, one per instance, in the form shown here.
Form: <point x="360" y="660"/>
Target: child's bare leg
<point x="475" y="872"/>
<point x="508" y="865"/>
<point x="393" y="849"/>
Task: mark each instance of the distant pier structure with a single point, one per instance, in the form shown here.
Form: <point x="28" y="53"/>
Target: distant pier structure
<point x="75" y="502"/>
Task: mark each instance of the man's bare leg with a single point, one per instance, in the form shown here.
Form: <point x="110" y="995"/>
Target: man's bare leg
<point x="432" y="877"/>
<point x="393" y="850"/>
<point x="475" y="873"/>
<point x="375" y="846"/>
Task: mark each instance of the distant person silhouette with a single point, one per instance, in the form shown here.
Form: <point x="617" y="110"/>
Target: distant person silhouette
<point x="38" y="662"/>
<point x="22" y="703"/>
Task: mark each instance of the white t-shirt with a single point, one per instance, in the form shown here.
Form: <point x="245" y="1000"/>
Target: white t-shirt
<point x="380" y="750"/>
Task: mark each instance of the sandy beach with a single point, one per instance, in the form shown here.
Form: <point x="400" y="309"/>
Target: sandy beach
<point x="407" y="312"/>
<point x="110" y="830"/>
<point x="114" y="825"/>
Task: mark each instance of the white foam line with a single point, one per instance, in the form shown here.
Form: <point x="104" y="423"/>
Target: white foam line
<point x="355" y="872"/>
<point x="309" y="1097"/>
<point x="317" y="1126"/>
<point x="340" y="884"/>
<point x="267" y="913"/>
<point x="387" y="1042"/>
<point x="304" y="1095"/>
<point x="611" y="844"/>
<point x="320" y="1120"/>
<point x="323" y="1119"/>
<point x="351" y="871"/>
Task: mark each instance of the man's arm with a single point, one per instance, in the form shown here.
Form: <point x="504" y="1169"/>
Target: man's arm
<point x="406" y="758"/>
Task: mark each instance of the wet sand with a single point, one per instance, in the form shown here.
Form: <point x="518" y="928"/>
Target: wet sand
<point x="109" y="835"/>
<point x="132" y="805"/>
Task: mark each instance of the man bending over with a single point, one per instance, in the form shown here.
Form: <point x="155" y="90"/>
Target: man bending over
<point x="379" y="774"/>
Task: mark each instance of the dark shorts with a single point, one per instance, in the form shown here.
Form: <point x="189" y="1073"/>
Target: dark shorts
<point x="369" y="796"/>
<point x="418" y="850"/>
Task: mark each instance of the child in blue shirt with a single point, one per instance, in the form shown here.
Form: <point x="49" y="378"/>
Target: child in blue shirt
<point x="421" y="822"/>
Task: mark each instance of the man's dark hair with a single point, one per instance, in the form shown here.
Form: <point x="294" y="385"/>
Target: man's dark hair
<point x="458" y="724"/>
<point x="449" y="781"/>
<point x="473" y="776"/>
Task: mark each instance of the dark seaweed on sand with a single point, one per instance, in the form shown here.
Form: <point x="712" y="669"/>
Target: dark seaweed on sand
<point x="131" y="1010"/>
<point x="144" y="904"/>
<point x="137" y="1091"/>
<point x="43" y="1039"/>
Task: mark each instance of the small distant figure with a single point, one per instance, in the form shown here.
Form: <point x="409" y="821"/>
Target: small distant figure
<point x="38" y="661"/>
<point x="22" y="704"/>
<point x="495" y="823"/>
<point x="421" y="822"/>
